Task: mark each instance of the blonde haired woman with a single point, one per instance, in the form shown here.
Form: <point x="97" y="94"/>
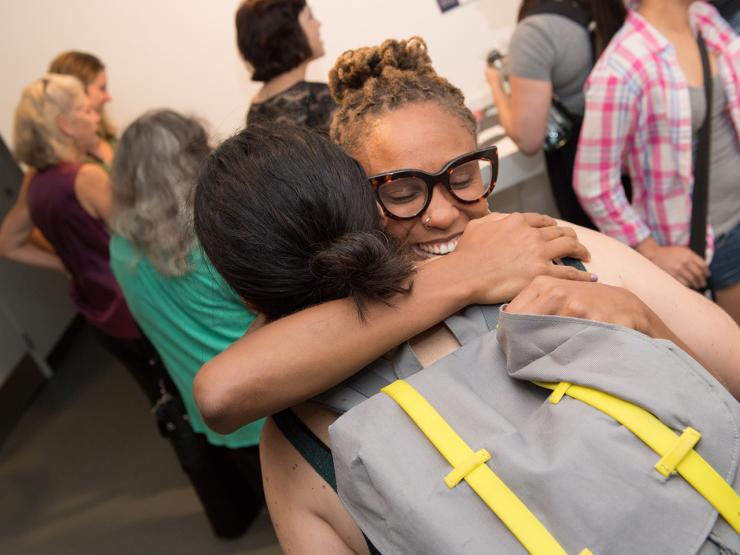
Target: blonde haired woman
<point x="89" y="69"/>
<point x="69" y="200"/>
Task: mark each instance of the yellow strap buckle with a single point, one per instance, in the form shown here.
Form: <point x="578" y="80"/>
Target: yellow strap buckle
<point x="559" y="392"/>
<point x="470" y="466"/>
<point x="673" y="457"/>
<point x="676" y="451"/>
<point x="459" y="473"/>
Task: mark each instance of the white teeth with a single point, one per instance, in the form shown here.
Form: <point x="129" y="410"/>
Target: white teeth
<point x="438" y="248"/>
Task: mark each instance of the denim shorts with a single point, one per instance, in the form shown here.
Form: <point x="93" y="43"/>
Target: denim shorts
<point x="725" y="266"/>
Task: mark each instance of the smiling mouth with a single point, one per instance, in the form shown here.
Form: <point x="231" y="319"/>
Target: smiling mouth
<point x="435" y="248"/>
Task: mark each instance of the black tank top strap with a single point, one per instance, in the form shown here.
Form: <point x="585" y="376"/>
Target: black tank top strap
<point x="574" y="262"/>
<point x="313" y="450"/>
<point x="307" y="444"/>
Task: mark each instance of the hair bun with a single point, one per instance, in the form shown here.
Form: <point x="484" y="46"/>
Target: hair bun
<point x="355" y="68"/>
<point x="365" y="265"/>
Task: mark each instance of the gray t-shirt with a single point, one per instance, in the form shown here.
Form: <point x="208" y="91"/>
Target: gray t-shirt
<point x="724" y="167"/>
<point x="548" y="47"/>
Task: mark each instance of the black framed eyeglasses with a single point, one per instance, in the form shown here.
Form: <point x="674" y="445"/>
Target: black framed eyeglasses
<point x="405" y="194"/>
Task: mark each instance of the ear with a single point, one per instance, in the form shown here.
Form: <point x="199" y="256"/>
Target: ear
<point x="64" y="126"/>
<point x="257" y="323"/>
<point x="383" y="217"/>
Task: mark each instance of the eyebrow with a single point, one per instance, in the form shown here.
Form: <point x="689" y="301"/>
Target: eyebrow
<point x="438" y="170"/>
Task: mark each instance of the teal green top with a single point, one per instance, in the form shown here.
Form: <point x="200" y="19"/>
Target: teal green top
<point x="189" y="319"/>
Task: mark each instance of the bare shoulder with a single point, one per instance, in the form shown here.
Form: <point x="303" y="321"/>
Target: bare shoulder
<point x="618" y="264"/>
<point x="611" y="260"/>
<point x="702" y="325"/>
<point x="93" y="190"/>
<point x="91" y="175"/>
<point x="306" y="512"/>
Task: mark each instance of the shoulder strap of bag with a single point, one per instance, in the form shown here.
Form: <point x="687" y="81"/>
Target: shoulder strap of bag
<point x="700" y="195"/>
<point x="570" y="10"/>
<point x="470" y="466"/>
<point x="565" y="8"/>
<point x="677" y="452"/>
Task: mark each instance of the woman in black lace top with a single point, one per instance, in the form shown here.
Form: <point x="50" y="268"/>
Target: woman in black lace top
<point x="278" y="39"/>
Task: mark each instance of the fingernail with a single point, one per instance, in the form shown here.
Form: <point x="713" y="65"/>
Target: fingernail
<point x="594" y="277"/>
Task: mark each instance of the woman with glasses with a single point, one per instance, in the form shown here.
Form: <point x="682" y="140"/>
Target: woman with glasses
<point x="407" y="127"/>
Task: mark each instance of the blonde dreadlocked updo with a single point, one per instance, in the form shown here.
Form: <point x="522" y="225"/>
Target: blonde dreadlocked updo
<point x="373" y="79"/>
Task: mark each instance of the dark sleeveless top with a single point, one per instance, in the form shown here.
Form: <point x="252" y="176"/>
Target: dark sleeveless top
<point x="81" y="242"/>
<point x="306" y="104"/>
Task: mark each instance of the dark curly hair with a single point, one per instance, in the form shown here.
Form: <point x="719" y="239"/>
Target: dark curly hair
<point x="374" y="79"/>
<point x="270" y="38"/>
<point x="289" y="220"/>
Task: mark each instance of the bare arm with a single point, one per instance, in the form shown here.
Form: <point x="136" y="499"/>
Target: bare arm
<point x="307" y="514"/>
<point x="93" y="191"/>
<point x="706" y="331"/>
<point x="16" y="234"/>
<point x="593" y="301"/>
<point x="523" y="114"/>
<point x="302" y="355"/>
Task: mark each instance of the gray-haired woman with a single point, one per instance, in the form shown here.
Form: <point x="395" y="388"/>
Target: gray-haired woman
<point x="180" y="300"/>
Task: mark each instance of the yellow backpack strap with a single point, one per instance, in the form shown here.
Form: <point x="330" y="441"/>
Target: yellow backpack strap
<point x="470" y="466"/>
<point x="677" y="452"/>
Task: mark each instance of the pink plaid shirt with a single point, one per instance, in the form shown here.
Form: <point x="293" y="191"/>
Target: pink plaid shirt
<point x="638" y="116"/>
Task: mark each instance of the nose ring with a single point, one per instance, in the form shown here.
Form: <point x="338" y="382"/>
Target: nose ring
<point x="425" y="222"/>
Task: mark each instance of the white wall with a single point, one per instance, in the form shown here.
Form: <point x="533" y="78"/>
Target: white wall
<point x="182" y="53"/>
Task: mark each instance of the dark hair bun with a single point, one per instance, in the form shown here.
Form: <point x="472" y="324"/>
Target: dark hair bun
<point x="355" y="68"/>
<point x="365" y="265"/>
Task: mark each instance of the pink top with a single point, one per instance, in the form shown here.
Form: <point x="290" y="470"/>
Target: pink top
<point x="81" y="242"/>
<point x="638" y="116"/>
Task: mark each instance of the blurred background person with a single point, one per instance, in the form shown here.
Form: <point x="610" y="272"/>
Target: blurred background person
<point x="91" y="72"/>
<point x="69" y="200"/>
<point x="278" y="39"/>
<point x="182" y="304"/>
<point x="551" y="54"/>
<point x="646" y="107"/>
<point x="730" y="10"/>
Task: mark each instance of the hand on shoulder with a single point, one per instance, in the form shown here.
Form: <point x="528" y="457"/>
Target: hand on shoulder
<point x="590" y="301"/>
<point x="706" y="331"/>
<point x="500" y="254"/>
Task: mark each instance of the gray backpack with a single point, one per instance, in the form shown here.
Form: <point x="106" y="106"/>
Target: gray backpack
<point x="562" y="475"/>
